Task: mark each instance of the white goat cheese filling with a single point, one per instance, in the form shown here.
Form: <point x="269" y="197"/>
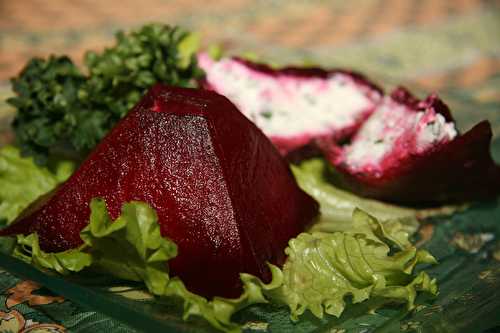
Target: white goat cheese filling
<point x="395" y="129"/>
<point x="287" y="105"/>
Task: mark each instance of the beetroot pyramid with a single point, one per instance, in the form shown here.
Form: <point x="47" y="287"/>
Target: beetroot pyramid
<point x="221" y="190"/>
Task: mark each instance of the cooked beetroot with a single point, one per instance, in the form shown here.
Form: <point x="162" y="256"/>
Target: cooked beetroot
<point x="222" y="192"/>
<point x="409" y="151"/>
<point x="294" y="106"/>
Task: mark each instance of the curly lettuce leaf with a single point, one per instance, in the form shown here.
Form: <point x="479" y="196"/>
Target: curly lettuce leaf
<point x="28" y="250"/>
<point x="22" y="181"/>
<point x="219" y="310"/>
<point x="322" y="268"/>
<point x="337" y="206"/>
<point x="132" y="248"/>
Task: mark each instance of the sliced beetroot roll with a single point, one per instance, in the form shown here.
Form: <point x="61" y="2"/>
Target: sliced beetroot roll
<point x="409" y="151"/>
<point x="221" y="190"/>
<point x="293" y="106"/>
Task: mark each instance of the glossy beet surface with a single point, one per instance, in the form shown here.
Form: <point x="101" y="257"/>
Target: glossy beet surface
<point x="222" y="192"/>
<point x="456" y="170"/>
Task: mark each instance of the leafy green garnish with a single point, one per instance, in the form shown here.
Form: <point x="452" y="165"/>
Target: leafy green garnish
<point x="132" y="248"/>
<point x="22" y="181"/>
<point x="337" y="206"/>
<point x="215" y="51"/>
<point x="120" y="75"/>
<point x="28" y="250"/>
<point x="60" y="108"/>
<point x="322" y="268"/>
<point x="51" y="102"/>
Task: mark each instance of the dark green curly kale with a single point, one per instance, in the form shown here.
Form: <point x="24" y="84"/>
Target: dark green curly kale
<point x="61" y="109"/>
<point x="52" y="106"/>
<point x="155" y="53"/>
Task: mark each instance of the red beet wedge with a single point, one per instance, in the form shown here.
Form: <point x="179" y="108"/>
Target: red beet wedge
<point x="222" y="192"/>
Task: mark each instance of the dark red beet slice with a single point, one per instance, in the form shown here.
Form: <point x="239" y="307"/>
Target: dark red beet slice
<point x="424" y="159"/>
<point x="294" y="106"/>
<point x="222" y="192"/>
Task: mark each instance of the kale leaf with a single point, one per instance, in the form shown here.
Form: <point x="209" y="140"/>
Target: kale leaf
<point x="50" y="98"/>
<point x="155" y="53"/>
<point x="61" y="109"/>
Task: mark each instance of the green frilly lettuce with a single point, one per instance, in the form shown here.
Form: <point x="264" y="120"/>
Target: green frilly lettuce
<point x="337" y="206"/>
<point x="321" y="270"/>
<point x="132" y="248"/>
<point x="22" y="181"/>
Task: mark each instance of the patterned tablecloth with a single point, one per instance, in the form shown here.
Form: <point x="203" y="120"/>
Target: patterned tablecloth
<point x="451" y="47"/>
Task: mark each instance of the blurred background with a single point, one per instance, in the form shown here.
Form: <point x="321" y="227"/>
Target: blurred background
<point x="451" y="47"/>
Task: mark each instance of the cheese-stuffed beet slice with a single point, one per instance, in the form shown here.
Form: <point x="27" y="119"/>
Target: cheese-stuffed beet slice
<point x="221" y="190"/>
<point x="409" y="151"/>
<point x="293" y="106"/>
